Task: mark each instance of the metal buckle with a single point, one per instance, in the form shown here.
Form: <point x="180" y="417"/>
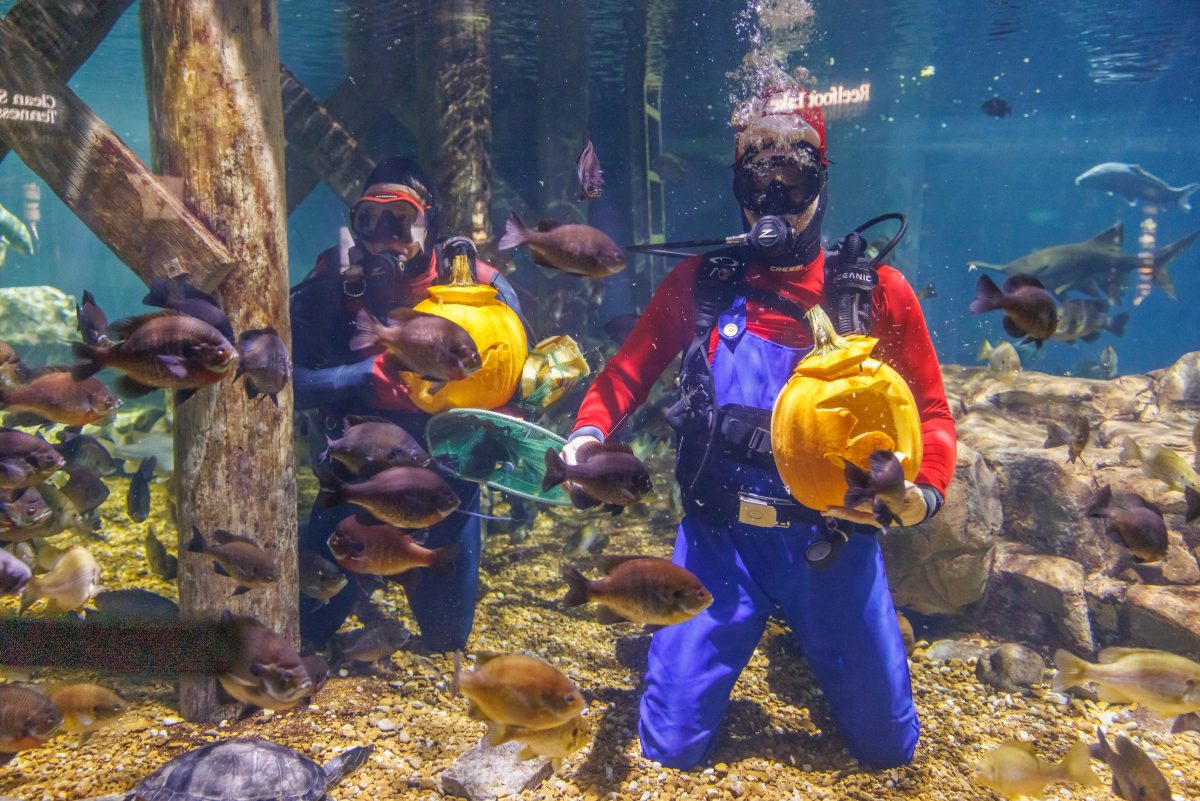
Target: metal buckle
<point x="754" y="510"/>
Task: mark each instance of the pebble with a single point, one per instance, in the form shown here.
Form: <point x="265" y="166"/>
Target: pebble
<point x="385" y="725"/>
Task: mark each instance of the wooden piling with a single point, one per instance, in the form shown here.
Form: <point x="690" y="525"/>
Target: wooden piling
<point x="212" y="77"/>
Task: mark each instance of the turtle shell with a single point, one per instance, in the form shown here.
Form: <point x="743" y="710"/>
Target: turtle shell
<point x="235" y="770"/>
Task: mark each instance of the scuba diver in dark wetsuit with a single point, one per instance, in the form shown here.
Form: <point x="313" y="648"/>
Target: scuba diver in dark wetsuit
<point x="395" y="259"/>
<point x="732" y="313"/>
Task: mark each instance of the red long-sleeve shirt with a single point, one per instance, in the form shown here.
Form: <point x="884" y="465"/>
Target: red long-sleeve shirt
<point x="670" y="323"/>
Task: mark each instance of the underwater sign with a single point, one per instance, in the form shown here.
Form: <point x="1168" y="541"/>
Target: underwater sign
<point x="836" y="101"/>
<point x="41" y="108"/>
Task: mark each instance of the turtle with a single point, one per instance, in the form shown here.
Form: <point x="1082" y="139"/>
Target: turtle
<point x="246" y="769"/>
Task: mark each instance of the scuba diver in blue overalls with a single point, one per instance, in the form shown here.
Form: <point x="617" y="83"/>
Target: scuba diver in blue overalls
<point x="396" y="257"/>
<point x="736" y="315"/>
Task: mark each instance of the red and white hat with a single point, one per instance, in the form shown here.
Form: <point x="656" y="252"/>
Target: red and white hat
<point x="779" y="117"/>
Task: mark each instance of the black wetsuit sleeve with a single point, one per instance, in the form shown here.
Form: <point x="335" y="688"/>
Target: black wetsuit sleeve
<point x="320" y="378"/>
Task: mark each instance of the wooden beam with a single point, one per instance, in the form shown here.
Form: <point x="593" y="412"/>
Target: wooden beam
<point x="65" y="34"/>
<point x="325" y="147"/>
<point x="96" y="175"/>
<point x="212" y="81"/>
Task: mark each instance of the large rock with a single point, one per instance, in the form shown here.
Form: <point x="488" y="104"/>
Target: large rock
<point x="941" y="567"/>
<point x="38" y="321"/>
<point x="485" y="773"/>
<point x="1164" y="617"/>
<point x="1177" y="388"/>
<point x="1051" y="586"/>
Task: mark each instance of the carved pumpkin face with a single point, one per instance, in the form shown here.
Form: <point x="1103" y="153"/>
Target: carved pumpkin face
<point x="499" y="336"/>
<point x="841" y="403"/>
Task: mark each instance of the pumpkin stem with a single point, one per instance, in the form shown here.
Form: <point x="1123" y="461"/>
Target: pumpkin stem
<point x="460" y="271"/>
<point x="825" y="337"/>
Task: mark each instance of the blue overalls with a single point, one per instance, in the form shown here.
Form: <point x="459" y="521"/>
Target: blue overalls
<point x="842" y="617"/>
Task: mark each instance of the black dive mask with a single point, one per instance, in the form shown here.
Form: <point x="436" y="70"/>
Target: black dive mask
<point x="781" y="184"/>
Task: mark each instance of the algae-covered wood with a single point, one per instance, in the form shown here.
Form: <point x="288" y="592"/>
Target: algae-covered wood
<point x="212" y="76"/>
<point x="87" y="165"/>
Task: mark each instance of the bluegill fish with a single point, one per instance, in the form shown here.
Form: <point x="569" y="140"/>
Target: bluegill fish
<point x="85" y="490"/>
<point x="1166" y="683"/>
<point x="179" y="295"/>
<point x="25" y="508"/>
<point x="52" y="395"/>
<point x="607" y="473"/>
<point x="1135" y="520"/>
<point x="640" y="589"/>
<point x="374" y="642"/>
<point x="134" y="604"/>
<point x="70" y="585"/>
<point x="1159" y="461"/>
<point x="267" y="671"/>
<point x="162" y="563"/>
<point x="265" y="361"/>
<point x="570" y="247"/>
<point x="514" y="690"/>
<point x="91" y="321"/>
<point x="319" y="578"/>
<point x="86" y="708"/>
<point x="1135" y="777"/>
<point x="1076" y="438"/>
<point x="429" y="345"/>
<point x="1029" y="310"/>
<point x="1014" y="769"/>
<point x="237" y="557"/>
<point x="556" y="744"/>
<point x="406" y="497"/>
<point x="27" y="719"/>
<point x="371" y="442"/>
<point x="14" y="574"/>
<point x="384" y="550"/>
<point x="883" y="487"/>
<point x="137" y="500"/>
<point x="591" y="181"/>
<point x="1002" y="358"/>
<point x="25" y="460"/>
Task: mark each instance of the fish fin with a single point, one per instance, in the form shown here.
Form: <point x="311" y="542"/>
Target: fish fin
<point x="610" y="563"/>
<point x="241" y="590"/>
<point x="196" y="544"/>
<point x="1099" y="505"/>
<point x="367" y="327"/>
<point x="436" y="385"/>
<point x="613" y="509"/>
<point x="1113" y="236"/>
<point x="577" y="587"/>
<point x="89" y="360"/>
<point x="497" y="734"/>
<point x="1015" y="282"/>
<point x="1072" y="670"/>
<point x="1092" y="337"/>
<point x="221" y="571"/>
<point x="129" y="387"/>
<point x="988" y="296"/>
<point x="221" y="536"/>
<point x="1184" y="199"/>
<point x="84" y="736"/>
<point x="1077" y="767"/>
<point x="403" y="315"/>
<point x="1110" y="695"/>
<point x="332" y="491"/>
<point x="182" y="396"/>
<point x="556" y="470"/>
<point x="1117" y="324"/>
<point x="1012" y="329"/>
<point x="352" y="420"/>
<point x="121" y="329"/>
<point x="1022" y="745"/>
<point x="549" y="225"/>
<point x="515" y="233"/>
<point x="1056" y="436"/>
<point x="1113" y="653"/>
<point x="984" y="351"/>
<point x="580" y="498"/>
<point x="608" y="617"/>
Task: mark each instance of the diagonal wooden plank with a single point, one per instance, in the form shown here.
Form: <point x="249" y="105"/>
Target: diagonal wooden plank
<point x="96" y="175"/>
<point x="65" y="34"/>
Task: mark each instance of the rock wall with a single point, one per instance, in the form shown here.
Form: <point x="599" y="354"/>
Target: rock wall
<point x="1012" y="553"/>
<point x="38" y="321"/>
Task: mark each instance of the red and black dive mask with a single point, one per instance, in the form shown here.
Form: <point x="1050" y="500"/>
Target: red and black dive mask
<point x="391" y="214"/>
<point x="785" y="183"/>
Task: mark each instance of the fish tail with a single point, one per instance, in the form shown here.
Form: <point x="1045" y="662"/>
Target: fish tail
<point x="196" y="544"/>
<point x="577" y="587"/>
<point x="1163" y="258"/>
<point x="858" y="484"/>
<point x="30" y="594"/>
<point x="1076" y="766"/>
<point x="445" y="562"/>
<point x="368" y="331"/>
<point x="89" y="360"/>
<point x="1193" y="504"/>
<point x="332" y="492"/>
<point x="556" y="470"/>
<point x="1130" y="450"/>
<point x="1184" y="200"/>
<point x="497" y="733"/>
<point x="985" y="350"/>
<point x="988" y="296"/>
<point x="515" y="233"/>
<point x="1117" y="324"/>
<point x="1099" y="505"/>
<point x="1072" y="670"/>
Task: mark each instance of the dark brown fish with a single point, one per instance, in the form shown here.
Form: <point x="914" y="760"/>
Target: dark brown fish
<point x="91" y="321"/>
<point x="161" y="350"/>
<point x="569" y="247"/>
<point x="319" y="578"/>
<point x="607" y="473"/>
<point x="81" y="450"/>
<point x="1029" y="310"/>
<point x="433" y="347"/>
<point x="318" y="672"/>
<point x="640" y="589"/>
<point x="1076" y="439"/>
<point x="52" y="395"/>
<point x="178" y="295"/>
<point x="591" y="181"/>
<point x="134" y="604"/>
<point x="883" y="487"/>
<point x="906" y="633"/>
<point x="267" y="671"/>
<point x="406" y="497"/>
<point x="25" y="460"/>
<point x="1192" y="496"/>
<point x="371" y="442"/>
<point x="264" y="360"/>
<point x="238" y="558"/>
<point x="25" y="508"/>
<point x="85" y="490"/>
<point x="375" y="642"/>
<point x="1135" y="777"/>
<point x="996" y="107"/>
<point x="1138" y="522"/>
<point x="137" y="500"/>
<point x="162" y="563"/>
<point x="27" y="719"/>
<point x="517" y="691"/>
<point x="384" y="550"/>
<point x="14" y="574"/>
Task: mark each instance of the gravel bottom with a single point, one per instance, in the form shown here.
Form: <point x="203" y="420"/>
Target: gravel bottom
<point x="777" y="742"/>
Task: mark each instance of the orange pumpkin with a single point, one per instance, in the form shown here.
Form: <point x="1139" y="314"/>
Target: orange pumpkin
<point x="497" y="332"/>
<point x="840" y="404"/>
